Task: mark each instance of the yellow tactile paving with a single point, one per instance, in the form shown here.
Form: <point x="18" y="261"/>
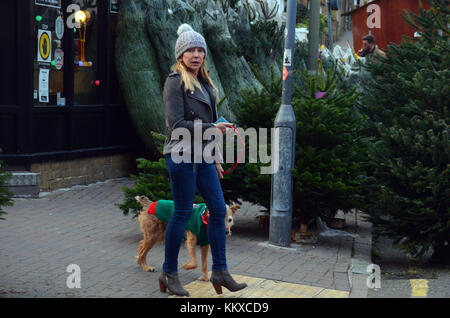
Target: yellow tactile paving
<point x="331" y="293"/>
<point x="419" y="287"/>
<point x="262" y="288"/>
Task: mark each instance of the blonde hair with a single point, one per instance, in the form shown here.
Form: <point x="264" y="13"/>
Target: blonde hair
<point x="189" y="79"/>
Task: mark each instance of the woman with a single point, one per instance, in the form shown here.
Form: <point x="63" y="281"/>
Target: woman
<point x="190" y="95"/>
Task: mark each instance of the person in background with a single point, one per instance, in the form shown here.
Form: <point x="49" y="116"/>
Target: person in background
<point x="369" y="47"/>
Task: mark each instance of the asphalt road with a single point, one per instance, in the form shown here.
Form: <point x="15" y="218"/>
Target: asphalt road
<point x="402" y="277"/>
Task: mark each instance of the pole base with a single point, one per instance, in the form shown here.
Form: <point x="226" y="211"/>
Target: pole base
<point x="280" y="230"/>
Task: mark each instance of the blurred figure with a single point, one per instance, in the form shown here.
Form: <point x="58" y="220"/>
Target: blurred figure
<point x="369" y="47"/>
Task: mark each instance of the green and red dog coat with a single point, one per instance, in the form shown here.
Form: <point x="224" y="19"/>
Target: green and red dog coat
<point x="197" y="224"/>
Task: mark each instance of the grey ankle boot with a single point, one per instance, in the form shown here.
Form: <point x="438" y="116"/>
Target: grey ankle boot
<point x="171" y="282"/>
<point x="223" y="278"/>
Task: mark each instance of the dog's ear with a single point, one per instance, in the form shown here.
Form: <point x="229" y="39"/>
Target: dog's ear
<point x="235" y="207"/>
<point x="137" y="198"/>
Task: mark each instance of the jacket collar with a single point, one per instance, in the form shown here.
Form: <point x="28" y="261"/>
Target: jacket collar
<point x="197" y="94"/>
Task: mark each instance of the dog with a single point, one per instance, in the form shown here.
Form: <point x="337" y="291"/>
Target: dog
<point x="154" y="230"/>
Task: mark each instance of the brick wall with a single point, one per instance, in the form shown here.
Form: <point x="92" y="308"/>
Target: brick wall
<point x="65" y="174"/>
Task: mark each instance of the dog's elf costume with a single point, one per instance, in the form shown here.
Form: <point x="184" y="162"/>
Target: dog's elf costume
<point x="197" y="224"/>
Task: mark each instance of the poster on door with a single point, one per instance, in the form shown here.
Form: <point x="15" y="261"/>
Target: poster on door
<point x="44" y="48"/>
<point x="59" y="59"/>
<point x="43" y="85"/>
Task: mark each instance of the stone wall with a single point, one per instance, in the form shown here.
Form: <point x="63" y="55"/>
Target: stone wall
<point x="65" y="174"/>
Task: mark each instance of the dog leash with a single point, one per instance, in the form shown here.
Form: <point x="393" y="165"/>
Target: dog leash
<point x="240" y="155"/>
<point x="205" y="217"/>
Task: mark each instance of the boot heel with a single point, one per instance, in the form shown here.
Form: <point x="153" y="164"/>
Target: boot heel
<point x="171" y="283"/>
<point x="218" y="288"/>
<point x="162" y="287"/>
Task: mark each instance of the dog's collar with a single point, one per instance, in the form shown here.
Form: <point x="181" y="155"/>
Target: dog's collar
<point x="152" y="208"/>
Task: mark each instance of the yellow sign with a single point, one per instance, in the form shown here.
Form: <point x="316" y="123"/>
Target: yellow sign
<point x="44" y="46"/>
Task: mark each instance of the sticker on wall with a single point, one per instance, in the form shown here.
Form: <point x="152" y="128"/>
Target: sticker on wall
<point x="59" y="59"/>
<point x="60" y="101"/>
<point x="287" y="57"/>
<point x="285" y="73"/>
<point x="44" y="46"/>
<point x="43" y="85"/>
<point x="48" y="3"/>
<point x="59" y="27"/>
<point x="114" y="6"/>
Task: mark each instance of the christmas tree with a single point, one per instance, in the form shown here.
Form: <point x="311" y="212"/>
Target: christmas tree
<point x="151" y="181"/>
<point x="408" y="109"/>
<point x="330" y="154"/>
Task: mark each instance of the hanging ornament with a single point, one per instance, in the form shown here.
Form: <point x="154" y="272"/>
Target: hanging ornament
<point x="59" y="27"/>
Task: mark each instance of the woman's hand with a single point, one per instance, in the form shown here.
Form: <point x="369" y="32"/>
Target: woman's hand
<point x="219" y="170"/>
<point x="223" y="127"/>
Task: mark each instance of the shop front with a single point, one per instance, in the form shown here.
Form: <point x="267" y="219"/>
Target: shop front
<point x="61" y="110"/>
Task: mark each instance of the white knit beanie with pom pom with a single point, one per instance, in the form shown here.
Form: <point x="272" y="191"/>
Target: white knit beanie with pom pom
<point x="187" y="39"/>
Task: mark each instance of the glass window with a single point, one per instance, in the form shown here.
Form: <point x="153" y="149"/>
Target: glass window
<point x="48" y="56"/>
<point x="50" y="31"/>
<point x="86" y="85"/>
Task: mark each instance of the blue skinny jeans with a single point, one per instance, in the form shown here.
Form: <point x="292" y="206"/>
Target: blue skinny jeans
<point x="184" y="179"/>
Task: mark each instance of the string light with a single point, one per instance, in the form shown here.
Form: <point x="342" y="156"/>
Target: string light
<point x="82" y="17"/>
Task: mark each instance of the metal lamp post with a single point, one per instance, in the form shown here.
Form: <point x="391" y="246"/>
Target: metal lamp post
<point x="283" y="149"/>
<point x="330" y="26"/>
<point x="332" y="5"/>
<point x="314" y="27"/>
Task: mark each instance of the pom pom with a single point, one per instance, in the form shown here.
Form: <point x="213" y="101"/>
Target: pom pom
<point x="184" y="28"/>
